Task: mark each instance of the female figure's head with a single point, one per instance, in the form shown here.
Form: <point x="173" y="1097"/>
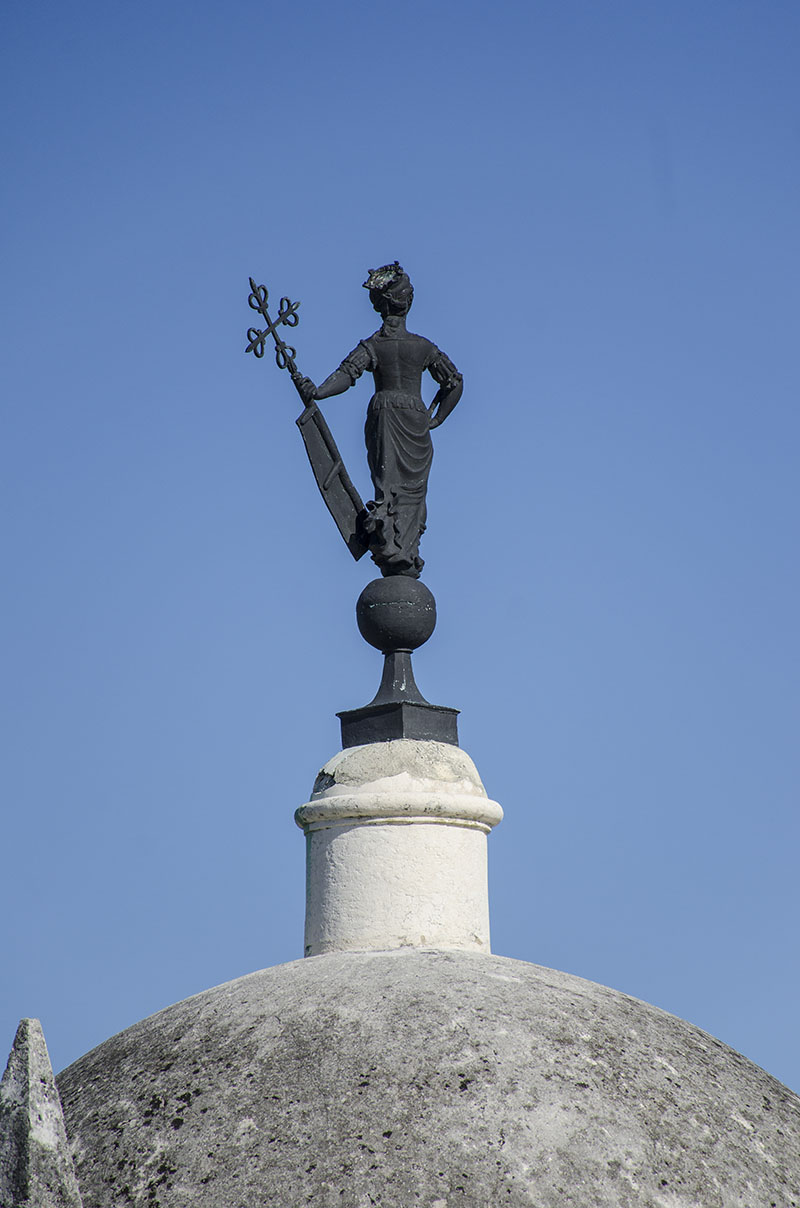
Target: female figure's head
<point x="390" y="290"/>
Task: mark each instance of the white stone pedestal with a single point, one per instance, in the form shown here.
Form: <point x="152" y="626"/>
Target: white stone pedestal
<point x="396" y="850"/>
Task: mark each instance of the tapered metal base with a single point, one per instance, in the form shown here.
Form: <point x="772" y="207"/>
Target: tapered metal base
<point x="399" y="710"/>
<point x="396" y="615"/>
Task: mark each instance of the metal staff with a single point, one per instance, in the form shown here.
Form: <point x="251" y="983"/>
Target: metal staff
<point x="336" y="487"/>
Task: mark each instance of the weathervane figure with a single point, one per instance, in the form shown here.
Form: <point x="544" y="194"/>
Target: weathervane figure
<point x="396" y="613"/>
<point x="397" y="429"/>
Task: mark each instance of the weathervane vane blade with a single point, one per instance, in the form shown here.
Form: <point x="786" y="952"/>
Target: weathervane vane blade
<point x="336" y="487"/>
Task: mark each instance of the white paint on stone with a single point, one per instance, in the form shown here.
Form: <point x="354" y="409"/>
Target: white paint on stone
<point x="396" y="850"/>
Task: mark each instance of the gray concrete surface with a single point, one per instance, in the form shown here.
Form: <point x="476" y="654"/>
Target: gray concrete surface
<point x="433" y="1079"/>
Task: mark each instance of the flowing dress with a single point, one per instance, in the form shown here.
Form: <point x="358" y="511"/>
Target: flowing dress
<point x="399" y="445"/>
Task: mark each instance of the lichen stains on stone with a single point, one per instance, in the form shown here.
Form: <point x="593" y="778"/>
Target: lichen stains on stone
<point x="408" y="1077"/>
<point x="36" y="1169"/>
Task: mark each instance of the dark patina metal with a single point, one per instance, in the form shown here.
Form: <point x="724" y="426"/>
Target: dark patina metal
<point x="398" y="426"/>
<point x="397" y="613"/>
<point x="336" y="487"/>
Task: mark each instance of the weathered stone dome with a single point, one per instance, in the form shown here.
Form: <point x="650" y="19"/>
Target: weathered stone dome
<point x="425" y="1078"/>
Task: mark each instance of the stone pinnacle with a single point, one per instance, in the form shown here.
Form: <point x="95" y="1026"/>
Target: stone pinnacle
<point x="36" y="1168"/>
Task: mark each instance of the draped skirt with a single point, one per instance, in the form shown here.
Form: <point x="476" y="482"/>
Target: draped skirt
<point x="399" y="453"/>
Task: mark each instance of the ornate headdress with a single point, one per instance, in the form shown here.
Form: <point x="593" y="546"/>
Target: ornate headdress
<point x="390" y="284"/>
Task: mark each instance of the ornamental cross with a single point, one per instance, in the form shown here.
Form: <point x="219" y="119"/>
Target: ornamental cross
<point x="287" y="313"/>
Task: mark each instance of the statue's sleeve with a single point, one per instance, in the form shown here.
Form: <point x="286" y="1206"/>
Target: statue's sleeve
<point x="361" y="358"/>
<point x="442" y="369"/>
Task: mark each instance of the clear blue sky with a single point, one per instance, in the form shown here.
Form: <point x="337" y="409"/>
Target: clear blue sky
<point x="598" y="205"/>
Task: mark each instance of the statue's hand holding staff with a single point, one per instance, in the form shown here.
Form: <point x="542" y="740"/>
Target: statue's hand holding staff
<point x="306" y="389"/>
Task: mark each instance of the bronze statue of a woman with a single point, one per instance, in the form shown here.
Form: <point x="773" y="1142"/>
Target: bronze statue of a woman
<point x="397" y="429"/>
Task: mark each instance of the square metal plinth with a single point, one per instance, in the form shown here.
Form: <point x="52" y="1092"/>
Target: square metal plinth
<point x="403" y="719"/>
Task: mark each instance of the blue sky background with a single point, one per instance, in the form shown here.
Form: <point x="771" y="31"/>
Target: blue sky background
<point x="598" y="205"/>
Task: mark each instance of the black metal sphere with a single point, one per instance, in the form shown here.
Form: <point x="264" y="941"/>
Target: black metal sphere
<point x="396" y="613"/>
